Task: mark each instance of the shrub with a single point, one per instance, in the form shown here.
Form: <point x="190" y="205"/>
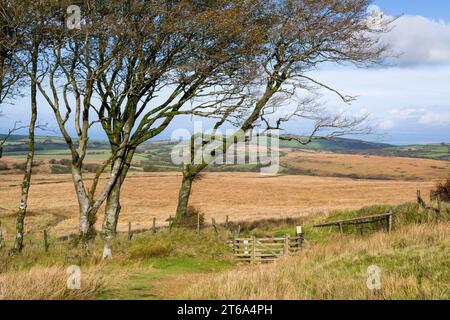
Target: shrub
<point x="150" y="168"/>
<point x="190" y="221"/>
<point x="91" y="167"/>
<point x="57" y="169"/>
<point x="65" y="162"/>
<point x="442" y="190"/>
<point x="3" y="166"/>
<point x="20" y="166"/>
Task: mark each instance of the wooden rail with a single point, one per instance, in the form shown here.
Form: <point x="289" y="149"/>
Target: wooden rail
<point x="258" y="250"/>
<point x="360" y="220"/>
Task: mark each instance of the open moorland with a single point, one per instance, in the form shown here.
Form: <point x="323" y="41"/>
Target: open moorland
<point x="241" y="196"/>
<point x="314" y="185"/>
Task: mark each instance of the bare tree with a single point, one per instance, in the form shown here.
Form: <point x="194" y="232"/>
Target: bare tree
<point x="304" y="34"/>
<point x="123" y="57"/>
<point x="10" y="73"/>
<point x="67" y="84"/>
<point x="24" y="24"/>
<point x="188" y="51"/>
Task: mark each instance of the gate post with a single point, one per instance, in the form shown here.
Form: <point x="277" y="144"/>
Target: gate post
<point x="286" y="245"/>
<point x="254" y="249"/>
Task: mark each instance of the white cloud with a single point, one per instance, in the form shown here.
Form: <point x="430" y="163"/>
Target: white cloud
<point x="406" y="113"/>
<point x="419" y="40"/>
<point x="435" y="118"/>
<point x="386" y="124"/>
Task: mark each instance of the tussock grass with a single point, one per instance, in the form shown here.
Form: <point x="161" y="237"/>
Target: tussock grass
<point x="36" y="274"/>
<point x="414" y="263"/>
<point x="39" y="283"/>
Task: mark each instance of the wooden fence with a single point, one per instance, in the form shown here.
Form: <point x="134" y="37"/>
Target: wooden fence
<point x="258" y="250"/>
<point x="359" y="221"/>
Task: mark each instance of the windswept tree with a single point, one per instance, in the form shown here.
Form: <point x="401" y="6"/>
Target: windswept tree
<point x="303" y="35"/>
<point x="10" y="73"/>
<point x="118" y="65"/>
<point x="24" y="31"/>
<point x="66" y="83"/>
<point x="174" y="57"/>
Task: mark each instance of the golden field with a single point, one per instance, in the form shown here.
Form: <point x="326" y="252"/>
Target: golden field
<point x="241" y="196"/>
<point x="364" y="166"/>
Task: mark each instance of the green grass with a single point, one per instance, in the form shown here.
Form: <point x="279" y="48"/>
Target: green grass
<point x="137" y="265"/>
<point x="163" y="265"/>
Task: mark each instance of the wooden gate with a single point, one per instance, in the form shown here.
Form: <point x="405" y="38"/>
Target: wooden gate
<point x="257" y="250"/>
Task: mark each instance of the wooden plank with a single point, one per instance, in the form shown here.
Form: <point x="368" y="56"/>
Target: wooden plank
<point x="355" y="220"/>
<point x="261" y="239"/>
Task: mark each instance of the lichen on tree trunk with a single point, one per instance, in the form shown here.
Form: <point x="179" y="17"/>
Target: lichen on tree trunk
<point x="184" y="195"/>
<point x="20" y="223"/>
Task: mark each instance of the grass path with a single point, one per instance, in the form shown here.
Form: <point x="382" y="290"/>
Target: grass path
<point x="161" y="279"/>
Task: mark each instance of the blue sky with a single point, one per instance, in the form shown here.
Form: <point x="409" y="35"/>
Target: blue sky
<point x="436" y="9"/>
<point x="409" y="101"/>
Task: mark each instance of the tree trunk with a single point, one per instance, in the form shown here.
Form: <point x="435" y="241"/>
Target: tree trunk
<point x="2" y="68"/>
<point x="20" y="228"/>
<point x="112" y="211"/>
<point x="184" y="195"/>
<point x="84" y="207"/>
<point x="113" y="207"/>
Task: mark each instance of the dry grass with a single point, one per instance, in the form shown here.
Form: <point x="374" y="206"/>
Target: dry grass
<point x="414" y="263"/>
<point x="241" y="196"/>
<point x="361" y="166"/>
<point x="48" y="283"/>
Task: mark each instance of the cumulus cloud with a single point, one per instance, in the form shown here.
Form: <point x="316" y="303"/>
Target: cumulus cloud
<point x="419" y="40"/>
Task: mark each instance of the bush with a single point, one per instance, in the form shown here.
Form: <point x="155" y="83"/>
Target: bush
<point x="190" y="221"/>
<point x="63" y="162"/>
<point x="442" y="190"/>
<point x="91" y="167"/>
<point x="3" y="166"/>
<point x="57" y="169"/>
<point x="20" y="166"/>
<point x="150" y="168"/>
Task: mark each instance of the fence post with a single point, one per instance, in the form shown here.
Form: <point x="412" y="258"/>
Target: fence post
<point x="299" y="233"/>
<point x="213" y="221"/>
<point x="154" y="225"/>
<point x="130" y="234"/>
<point x="46" y="244"/>
<point x="420" y="201"/>
<point x="389" y="222"/>
<point x="341" y="229"/>
<point x="198" y="223"/>
<point x="1" y="235"/>
<point x="286" y="244"/>
<point x="226" y="222"/>
<point x="170" y="223"/>
<point x="439" y="204"/>
<point x="254" y="249"/>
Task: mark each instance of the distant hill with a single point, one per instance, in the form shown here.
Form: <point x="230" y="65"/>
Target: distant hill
<point x="17" y="144"/>
<point x="337" y="144"/>
<point x="354" y="146"/>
